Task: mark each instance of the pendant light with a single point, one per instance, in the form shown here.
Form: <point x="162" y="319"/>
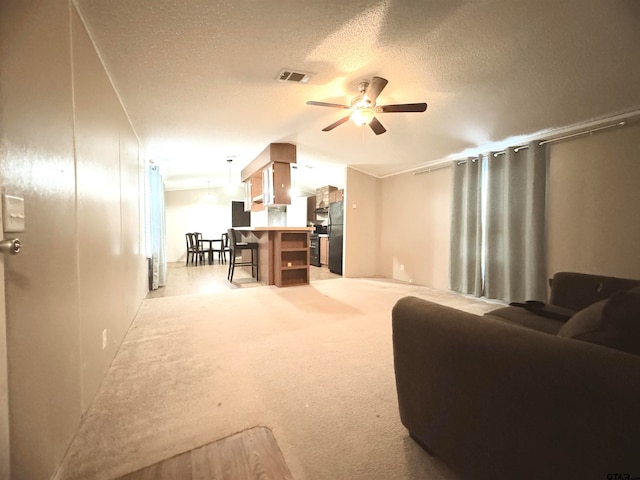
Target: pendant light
<point x="231" y="188"/>
<point x="208" y="197"/>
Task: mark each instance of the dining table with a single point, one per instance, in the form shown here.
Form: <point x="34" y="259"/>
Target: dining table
<point x="210" y="248"/>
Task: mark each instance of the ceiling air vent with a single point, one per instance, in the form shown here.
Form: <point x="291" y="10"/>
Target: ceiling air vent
<point x="291" y="76"/>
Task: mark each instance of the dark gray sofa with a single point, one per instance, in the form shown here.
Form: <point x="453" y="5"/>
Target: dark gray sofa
<point x="500" y="399"/>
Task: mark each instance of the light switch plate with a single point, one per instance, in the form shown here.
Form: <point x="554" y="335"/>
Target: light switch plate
<point x="13" y="214"/>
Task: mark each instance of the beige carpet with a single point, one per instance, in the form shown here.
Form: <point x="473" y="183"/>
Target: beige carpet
<point x="313" y="363"/>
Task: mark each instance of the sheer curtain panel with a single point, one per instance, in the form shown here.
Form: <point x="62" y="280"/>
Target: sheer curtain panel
<point x="157" y="229"/>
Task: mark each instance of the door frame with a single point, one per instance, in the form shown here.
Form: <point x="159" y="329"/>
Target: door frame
<point x="5" y="457"/>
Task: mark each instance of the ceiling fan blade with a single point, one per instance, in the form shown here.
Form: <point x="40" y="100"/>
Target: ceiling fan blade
<point x="376" y="126"/>
<point x="335" y="124"/>
<point x="325" y="104"/>
<point x="375" y="87"/>
<point x="403" y="107"/>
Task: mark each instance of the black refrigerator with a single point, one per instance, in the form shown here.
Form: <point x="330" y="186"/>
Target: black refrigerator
<point x="336" y="233"/>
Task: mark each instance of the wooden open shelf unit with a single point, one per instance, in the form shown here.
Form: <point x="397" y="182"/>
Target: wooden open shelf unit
<point x="291" y="262"/>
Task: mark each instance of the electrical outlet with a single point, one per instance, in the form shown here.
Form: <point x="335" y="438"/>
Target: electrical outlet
<point x="104" y="338"/>
<point x="402" y="268"/>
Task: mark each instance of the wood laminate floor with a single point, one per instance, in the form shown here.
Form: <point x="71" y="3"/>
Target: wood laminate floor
<point x="183" y="280"/>
<point x="249" y="455"/>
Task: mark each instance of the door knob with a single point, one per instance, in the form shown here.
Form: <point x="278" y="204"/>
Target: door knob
<point x="10" y="245"/>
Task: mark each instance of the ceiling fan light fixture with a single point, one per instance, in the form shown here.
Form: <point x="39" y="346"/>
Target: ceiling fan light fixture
<point x="360" y="102"/>
<point x="364" y="107"/>
<point x="363" y="116"/>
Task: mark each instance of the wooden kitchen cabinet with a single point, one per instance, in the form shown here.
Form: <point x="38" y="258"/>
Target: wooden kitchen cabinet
<point x="336" y="196"/>
<point x="253" y="194"/>
<point x="322" y="196"/>
<point x="276" y="183"/>
<point x="311" y="210"/>
<point x="268" y="177"/>
<point x="324" y="250"/>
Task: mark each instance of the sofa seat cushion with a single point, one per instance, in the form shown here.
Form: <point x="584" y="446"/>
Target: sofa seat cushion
<point x="613" y="323"/>
<point x="525" y="318"/>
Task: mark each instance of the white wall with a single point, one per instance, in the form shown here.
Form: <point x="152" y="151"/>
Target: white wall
<point x="594" y="203"/>
<point x="361" y="225"/>
<point x="297" y="212"/>
<point x="399" y="221"/>
<point x="295" y="215"/>
<point x="593" y="214"/>
<point x="190" y="211"/>
<point x="415" y="224"/>
<point x="69" y="150"/>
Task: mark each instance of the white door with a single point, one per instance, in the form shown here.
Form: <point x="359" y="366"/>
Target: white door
<point x="4" y="384"/>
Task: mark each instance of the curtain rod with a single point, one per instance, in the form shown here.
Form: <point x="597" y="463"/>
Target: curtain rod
<point x="522" y="147"/>
<point x="462" y="162"/>
<point x="429" y="170"/>
<point x="619" y="124"/>
<point x="564" y="137"/>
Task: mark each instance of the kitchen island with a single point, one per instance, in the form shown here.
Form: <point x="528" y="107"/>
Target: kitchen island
<point x="283" y="253"/>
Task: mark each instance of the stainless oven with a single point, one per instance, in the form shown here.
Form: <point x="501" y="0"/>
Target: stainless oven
<point x="314" y="250"/>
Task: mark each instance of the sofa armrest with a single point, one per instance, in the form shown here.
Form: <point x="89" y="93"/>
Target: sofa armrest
<point x="579" y="290"/>
<point x="495" y="400"/>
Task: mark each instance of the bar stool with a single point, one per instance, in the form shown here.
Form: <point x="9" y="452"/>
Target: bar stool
<point x="236" y="248"/>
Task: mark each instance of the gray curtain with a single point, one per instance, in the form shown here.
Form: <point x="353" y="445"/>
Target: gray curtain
<point x="515" y="228"/>
<point x="157" y="230"/>
<point x="465" y="266"/>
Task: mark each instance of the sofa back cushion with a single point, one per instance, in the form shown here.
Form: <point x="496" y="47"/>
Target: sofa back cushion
<point x="623" y="311"/>
<point x="579" y="290"/>
<point x="614" y="322"/>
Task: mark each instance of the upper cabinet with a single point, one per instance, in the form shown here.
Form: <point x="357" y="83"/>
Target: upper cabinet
<point x="276" y="184"/>
<point x="253" y="194"/>
<point x="267" y="178"/>
<point x="326" y="195"/>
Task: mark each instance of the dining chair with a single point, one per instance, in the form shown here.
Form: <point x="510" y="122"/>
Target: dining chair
<point x="200" y="246"/>
<point x="195" y="250"/>
<point x="235" y="259"/>
<point x="191" y="249"/>
<point x="223" y="248"/>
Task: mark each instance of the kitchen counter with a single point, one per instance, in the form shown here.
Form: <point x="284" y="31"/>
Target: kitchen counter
<point x="274" y="229"/>
<point x="283" y="253"/>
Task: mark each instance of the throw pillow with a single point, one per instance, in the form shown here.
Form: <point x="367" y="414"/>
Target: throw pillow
<point x="614" y="323"/>
<point x="587" y="320"/>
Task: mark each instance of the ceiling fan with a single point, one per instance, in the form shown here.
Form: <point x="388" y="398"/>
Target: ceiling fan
<point x="363" y="106"/>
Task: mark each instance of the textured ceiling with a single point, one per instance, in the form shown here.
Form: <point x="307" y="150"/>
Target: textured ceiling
<point x="198" y="77"/>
